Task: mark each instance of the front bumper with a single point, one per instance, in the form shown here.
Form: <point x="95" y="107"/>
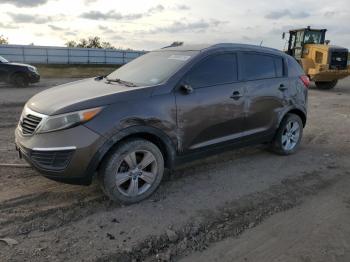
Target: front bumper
<point x="33" y="77"/>
<point x="63" y="155"/>
<point x="329" y="74"/>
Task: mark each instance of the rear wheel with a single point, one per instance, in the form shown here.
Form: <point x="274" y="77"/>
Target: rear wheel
<point x="132" y="172"/>
<point x="326" y="85"/>
<point x="288" y="136"/>
<point x="20" y="80"/>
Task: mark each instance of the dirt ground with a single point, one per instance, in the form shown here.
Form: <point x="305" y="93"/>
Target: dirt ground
<point x="243" y="205"/>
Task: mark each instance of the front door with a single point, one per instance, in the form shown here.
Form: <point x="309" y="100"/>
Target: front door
<point x="213" y="112"/>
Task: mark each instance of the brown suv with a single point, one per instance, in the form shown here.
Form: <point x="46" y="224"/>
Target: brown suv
<point x="161" y="109"/>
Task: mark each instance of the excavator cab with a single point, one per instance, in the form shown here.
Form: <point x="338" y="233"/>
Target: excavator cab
<point x="299" y="37"/>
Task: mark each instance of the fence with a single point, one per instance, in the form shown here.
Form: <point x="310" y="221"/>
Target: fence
<point x="64" y="55"/>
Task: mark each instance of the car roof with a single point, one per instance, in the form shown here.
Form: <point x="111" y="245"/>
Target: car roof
<point x="233" y="46"/>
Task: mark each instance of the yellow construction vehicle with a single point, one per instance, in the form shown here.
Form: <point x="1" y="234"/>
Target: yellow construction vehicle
<point x="324" y="64"/>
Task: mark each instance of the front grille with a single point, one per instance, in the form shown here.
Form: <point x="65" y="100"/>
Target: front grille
<point x="338" y="59"/>
<point x="29" y="123"/>
<point x="51" y="160"/>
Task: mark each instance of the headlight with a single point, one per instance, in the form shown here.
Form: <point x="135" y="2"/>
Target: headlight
<point x="59" y="122"/>
<point x="33" y="69"/>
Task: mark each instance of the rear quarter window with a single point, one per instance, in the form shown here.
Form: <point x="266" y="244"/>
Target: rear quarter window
<point x="279" y="66"/>
<point x="294" y="69"/>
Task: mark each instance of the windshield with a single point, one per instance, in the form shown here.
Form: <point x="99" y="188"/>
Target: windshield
<point x="312" y="37"/>
<point x="152" y="68"/>
<point x="3" y="60"/>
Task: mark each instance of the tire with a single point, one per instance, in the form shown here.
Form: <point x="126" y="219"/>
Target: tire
<point x="326" y="85"/>
<point x="20" y="80"/>
<point x="288" y="135"/>
<point x="132" y="171"/>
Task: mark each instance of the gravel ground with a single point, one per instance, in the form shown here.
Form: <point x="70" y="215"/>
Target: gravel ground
<point x="11" y="95"/>
<point x="199" y="208"/>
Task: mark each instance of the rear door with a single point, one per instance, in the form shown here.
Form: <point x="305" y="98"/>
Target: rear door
<point x="213" y="112"/>
<point x="267" y="88"/>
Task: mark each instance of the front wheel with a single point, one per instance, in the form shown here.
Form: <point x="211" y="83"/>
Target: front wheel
<point x="20" y="80"/>
<point x="132" y="172"/>
<point x="288" y="136"/>
<point x="326" y="85"/>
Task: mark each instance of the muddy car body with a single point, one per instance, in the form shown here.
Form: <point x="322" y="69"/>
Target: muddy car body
<point x="205" y="99"/>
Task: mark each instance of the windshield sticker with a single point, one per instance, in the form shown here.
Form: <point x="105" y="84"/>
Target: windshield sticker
<point x="180" y="57"/>
<point x="154" y="80"/>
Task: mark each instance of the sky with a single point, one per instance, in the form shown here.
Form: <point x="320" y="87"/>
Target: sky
<point x="152" y="24"/>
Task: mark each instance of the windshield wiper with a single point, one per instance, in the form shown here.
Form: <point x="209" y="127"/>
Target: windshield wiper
<point x="127" y="83"/>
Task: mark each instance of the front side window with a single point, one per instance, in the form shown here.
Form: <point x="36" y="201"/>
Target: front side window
<point x="260" y="66"/>
<point x="215" y="70"/>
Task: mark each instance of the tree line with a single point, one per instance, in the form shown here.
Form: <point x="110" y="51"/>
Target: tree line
<point x="90" y="42"/>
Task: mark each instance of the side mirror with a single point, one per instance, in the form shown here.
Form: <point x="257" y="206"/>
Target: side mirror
<point x="327" y="42"/>
<point x="186" y="88"/>
<point x="283" y="35"/>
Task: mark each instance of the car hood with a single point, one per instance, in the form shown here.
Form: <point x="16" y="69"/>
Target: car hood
<point x="83" y="94"/>
<point x="18" y="64"/>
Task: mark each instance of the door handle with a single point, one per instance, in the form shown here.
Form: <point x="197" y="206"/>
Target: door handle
<point x="236" y="95"/>
<point x="282" y="87"/>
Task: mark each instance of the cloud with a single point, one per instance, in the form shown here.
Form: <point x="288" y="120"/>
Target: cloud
<point x="175" y="27"/>
<point x="25" y="18"/>
<point x="106" y="29"/>
<point x="8" y="26"/>
<point x="112" y="15"/>
<point x="330" y="13"/>
<point x="90" y="1"/>
<point x="70" y="33"/>
<point x="156" y="9"/>
<point x="286" y="13"/>
<point x="115" y="35"/>
<point x="56" y="28"/>
<point x="182" y="7"/>
<point x="25" y="3"/>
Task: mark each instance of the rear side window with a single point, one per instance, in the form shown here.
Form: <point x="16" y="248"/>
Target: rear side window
<point x="260" y="66"/>
<point x="215" y="70"/>
<point x="294" y="69"/>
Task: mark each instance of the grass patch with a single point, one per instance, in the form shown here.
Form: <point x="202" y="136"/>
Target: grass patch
<point x="59" y="70"/>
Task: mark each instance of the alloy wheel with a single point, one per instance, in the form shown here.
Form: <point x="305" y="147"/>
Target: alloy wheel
<point x="136" y="173"/>
<point x="290" y="135"/>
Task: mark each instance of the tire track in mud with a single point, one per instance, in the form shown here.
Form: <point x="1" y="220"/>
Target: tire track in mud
<point x="48" y="210"/>
<point x="230" y="220"/>
<point x="10" y="114"/>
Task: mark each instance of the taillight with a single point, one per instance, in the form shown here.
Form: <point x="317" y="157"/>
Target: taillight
<point x="305" y="79"/>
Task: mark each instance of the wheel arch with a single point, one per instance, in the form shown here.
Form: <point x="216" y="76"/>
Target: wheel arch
<point x="17" y="72"/>
<point x="297" y="112"/>
<point x="154" y="135"/>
